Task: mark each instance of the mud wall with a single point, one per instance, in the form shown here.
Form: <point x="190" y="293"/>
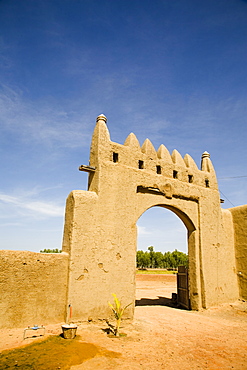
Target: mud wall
<point x="239" y="215"/>
<point x="33" y="288"/>
<point x="224" y="262"/>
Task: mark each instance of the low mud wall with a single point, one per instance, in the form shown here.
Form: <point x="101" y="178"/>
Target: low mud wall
<point x="33" y="288"/>
<point x="239" y="215"/>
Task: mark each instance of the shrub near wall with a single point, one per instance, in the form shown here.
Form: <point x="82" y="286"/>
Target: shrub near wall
<point x="33" y="288"/>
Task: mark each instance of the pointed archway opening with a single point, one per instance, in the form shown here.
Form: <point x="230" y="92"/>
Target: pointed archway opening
<point x="162" y="246"/>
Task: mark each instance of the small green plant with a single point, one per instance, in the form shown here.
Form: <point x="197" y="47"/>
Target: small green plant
<point x="118" y="313"/>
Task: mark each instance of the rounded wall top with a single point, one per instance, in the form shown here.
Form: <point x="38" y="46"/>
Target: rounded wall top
<point x="101" y="117"/>
<point x="205" y="155"/>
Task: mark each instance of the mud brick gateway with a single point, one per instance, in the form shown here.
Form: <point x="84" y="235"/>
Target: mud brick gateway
<point x="99" y="243"/>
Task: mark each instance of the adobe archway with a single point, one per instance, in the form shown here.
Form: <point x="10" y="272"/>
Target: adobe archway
<point x="183" y="279"/>
<point x="100" y="224"/>
<point x="193" y="252"/>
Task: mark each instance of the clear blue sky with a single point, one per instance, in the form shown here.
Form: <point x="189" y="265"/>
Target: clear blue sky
<point x="173" y="71"/>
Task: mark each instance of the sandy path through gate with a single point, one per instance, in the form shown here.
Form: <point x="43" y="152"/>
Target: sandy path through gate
<point x="153" y="286"/>
<point x="162" y="337"/>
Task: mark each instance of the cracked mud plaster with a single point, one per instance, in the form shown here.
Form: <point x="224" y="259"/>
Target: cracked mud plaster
<point x="101" y="266"/>
<point x="81" y="277"/>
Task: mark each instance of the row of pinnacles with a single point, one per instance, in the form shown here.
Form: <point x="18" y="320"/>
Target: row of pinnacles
<point x="146" y="158"/>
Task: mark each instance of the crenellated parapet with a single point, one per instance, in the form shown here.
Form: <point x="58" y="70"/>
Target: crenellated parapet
<point x="161" y="164"/>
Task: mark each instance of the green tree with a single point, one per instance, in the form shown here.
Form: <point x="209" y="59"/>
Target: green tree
<point x="152" y="256"/>
<point x="174" y="259"/>
<point x="167" y="259"/>
<point x="158" y="260"/>
<point x="139" y="258"/>
<point x="142" y="259"/>
<point x="51" y="251"/>
<point x="180" y="258"/>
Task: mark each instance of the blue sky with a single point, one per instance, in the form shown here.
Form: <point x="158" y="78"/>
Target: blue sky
<point x="172" y="71"/>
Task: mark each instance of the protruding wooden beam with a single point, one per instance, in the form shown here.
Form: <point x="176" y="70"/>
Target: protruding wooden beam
<point x="87" y="168"/>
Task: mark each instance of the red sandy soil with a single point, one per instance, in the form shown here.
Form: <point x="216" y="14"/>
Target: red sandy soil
<point x="160" y="336"/>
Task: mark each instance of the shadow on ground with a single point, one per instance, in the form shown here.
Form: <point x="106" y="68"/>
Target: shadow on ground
<point x="160" y="301"/>
<point x="55" y="352"/>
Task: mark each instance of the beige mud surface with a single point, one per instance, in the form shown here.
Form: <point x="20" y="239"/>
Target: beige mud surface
<point x="162" y="337"/>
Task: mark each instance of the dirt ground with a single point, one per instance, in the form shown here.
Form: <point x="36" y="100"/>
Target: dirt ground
<point x="162" y="337"/>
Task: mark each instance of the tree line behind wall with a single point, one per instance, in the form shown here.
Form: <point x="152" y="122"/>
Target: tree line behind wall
<point x="152" y="259"/>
